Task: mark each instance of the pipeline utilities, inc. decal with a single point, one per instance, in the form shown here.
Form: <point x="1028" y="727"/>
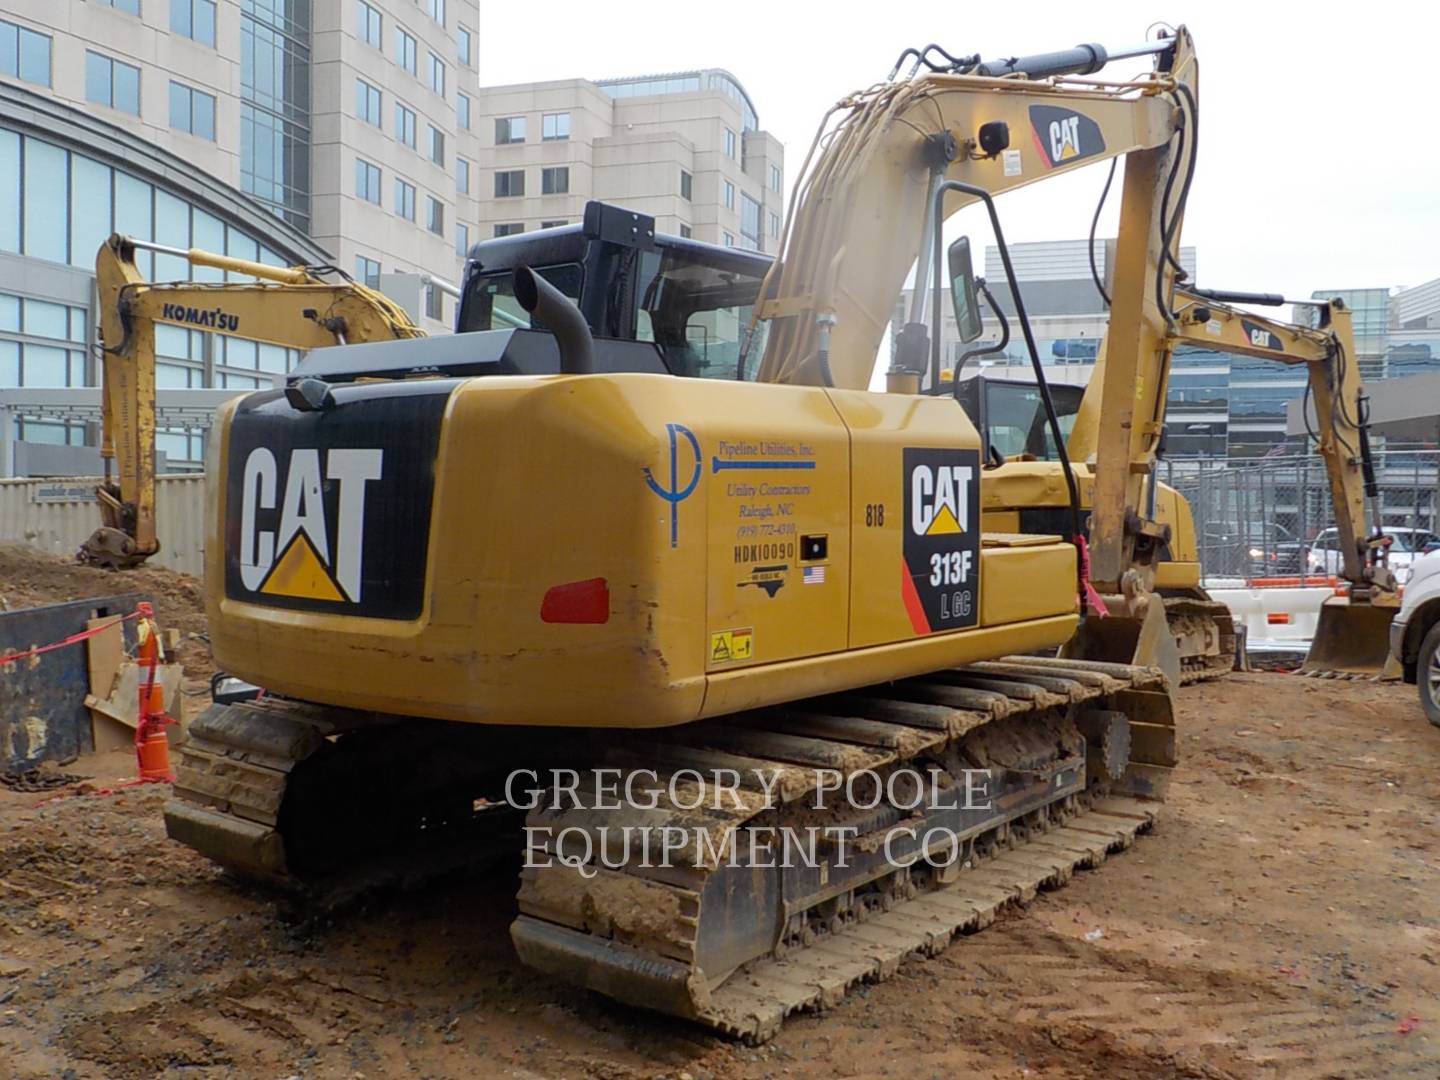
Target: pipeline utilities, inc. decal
<point x="1063" y="135"/>
<point x="940" y="576"/>
<point x="675" y="494"/>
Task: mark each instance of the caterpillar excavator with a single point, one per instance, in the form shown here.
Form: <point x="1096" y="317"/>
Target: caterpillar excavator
<point x="290" y="306"/>
<point x="763" y="608"/>
<point x="492" y="581"/>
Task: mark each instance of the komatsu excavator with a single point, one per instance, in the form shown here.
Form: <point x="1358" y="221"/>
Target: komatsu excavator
<point x="295" y="307"/>
<point x="461" y="566"/>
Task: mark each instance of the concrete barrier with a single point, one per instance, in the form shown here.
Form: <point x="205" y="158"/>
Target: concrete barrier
<point x="57" y="515"/>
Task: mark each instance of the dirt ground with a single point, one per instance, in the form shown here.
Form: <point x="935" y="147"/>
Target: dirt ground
<point x="29" y="577"/>
<point x="1283" y="920"/>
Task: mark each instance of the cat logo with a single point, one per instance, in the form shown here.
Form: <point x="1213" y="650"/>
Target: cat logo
<point x="1063" y="136"/>
<point x="296" y="558"/>
<point x="1261" y="337"/>
<point x="940" y="499"/>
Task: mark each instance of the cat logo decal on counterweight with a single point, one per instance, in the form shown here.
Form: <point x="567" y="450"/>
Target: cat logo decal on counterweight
<point x="940" y="575"/>
<point x="295" y="559"/>
<point x="329" y="510"/>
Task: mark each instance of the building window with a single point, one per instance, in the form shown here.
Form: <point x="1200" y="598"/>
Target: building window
<point x="194" y="19"/>
<point x="367" y="181"/>
<point x="775" y="226"/>
<point x="509" y="129"/>
<point x="462" y="176"/>
<point x="464" y="45"/>
<point x="729" y="195"/>
<point x="405" y="199"/>
<point x="437" y="146"/>
<point x="508" y="183"/>
<point x="750" y="221"/>
<point x="367" y="103"/>
<point x="130" y="7"/>
<point x="405" y="125"/>
<point x="728" y="239"/>
<point x="555" y="181"/>
<point x="555" y="126"/>
<point x="437" y="11"/>
<point x="435" y="215"/>
<point x="462" y="111"/>
<point x="275" y="135"/>
<point x="369" y="24"/>
<point x="24" y="54"/>
<point x="434" y="304"/>
<point x="367" y="271"/>
<point x="729" y="143"/>
<point x="554" y="224"/>
<point x="685" y="231"/>
<point x="109" y="82"/>
<point x="462" y="240"/>
<point x="437" y="74"/>
<point x="512" y="229"/>
<point x="192" y="110"/>
<point x="774" y="177"/>
<point x="405" y="50"/>
<point x="686" y="183"/>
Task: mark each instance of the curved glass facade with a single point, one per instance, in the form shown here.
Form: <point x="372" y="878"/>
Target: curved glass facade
<point x="57" y="206"/>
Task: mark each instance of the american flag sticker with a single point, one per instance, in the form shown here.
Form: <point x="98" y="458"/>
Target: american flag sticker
<point x="814" y="575"/>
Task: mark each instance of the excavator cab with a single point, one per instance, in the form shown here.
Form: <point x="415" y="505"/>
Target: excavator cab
<point x="691" y="302"/>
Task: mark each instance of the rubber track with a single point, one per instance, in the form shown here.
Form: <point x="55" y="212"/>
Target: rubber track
<point x="1203" y="669"/>
<point x="634" y="934"/>
<point x="753" y="1005"/>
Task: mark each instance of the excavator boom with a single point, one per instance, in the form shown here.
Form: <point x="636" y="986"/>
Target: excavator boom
<point x="289" y="306"/>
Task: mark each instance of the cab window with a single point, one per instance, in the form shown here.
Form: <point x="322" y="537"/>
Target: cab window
<point x="698" y="314"/>
<point x="490" y="302"/>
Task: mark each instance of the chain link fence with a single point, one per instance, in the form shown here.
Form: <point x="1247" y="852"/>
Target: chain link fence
<point x="1272" y="517"/>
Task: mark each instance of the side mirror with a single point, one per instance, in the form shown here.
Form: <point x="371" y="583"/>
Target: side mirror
<point x="962" y="291"/>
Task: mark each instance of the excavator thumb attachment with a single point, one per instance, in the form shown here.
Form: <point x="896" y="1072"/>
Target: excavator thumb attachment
<point x="1351" y="639"/>
<point x="1142" y="637"/>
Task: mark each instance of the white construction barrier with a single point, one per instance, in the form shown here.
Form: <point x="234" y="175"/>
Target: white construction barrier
<point x="58" y="515"/>
<point x="1278" y="617"/>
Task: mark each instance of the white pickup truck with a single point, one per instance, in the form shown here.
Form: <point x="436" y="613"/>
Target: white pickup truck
<point x="1415" y="633"/>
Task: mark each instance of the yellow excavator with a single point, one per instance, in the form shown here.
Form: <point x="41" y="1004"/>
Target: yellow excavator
<point x="294" y="307"/>
<point x="1027" y="494"/>
<point x="543" y="585"/>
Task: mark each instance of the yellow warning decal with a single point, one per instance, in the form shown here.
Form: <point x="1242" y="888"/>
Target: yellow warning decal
<point x="299" y="572"/>
<point x="728" y="645"/>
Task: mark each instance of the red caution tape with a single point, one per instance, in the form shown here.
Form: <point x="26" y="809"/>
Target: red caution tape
<point x="1089" y="596"/>
<point x="73" y="639"/>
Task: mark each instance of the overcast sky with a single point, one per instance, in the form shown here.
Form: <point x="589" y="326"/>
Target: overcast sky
<point x="1320" y="133"/>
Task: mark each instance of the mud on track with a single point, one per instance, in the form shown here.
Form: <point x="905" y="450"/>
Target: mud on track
<point x="1283" y="920"/>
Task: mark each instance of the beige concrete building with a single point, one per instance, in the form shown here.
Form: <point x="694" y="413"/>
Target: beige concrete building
<point x="686" y="148"/>
<point x="304" y="131"/>
<point x="347" y="119"/>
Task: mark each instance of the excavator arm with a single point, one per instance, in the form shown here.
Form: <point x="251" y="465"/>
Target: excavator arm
<point x="292" y="307"/>
<point x="862" y="208"/>
<point x="1328" y="355"/>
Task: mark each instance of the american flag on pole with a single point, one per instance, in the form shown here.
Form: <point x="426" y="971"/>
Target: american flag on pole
<point x="814" y="575"/>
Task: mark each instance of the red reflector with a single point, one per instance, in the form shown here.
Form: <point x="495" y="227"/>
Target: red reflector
<point x="577" y="602"/>
<point x="1278" y="618"/>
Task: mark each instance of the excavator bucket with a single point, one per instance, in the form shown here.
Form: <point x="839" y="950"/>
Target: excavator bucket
<point x="1351" y="639"/>
<point x="1142" y="638"/>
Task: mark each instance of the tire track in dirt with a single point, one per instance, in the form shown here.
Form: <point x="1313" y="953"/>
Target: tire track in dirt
<point x="1202" y="1017"/>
